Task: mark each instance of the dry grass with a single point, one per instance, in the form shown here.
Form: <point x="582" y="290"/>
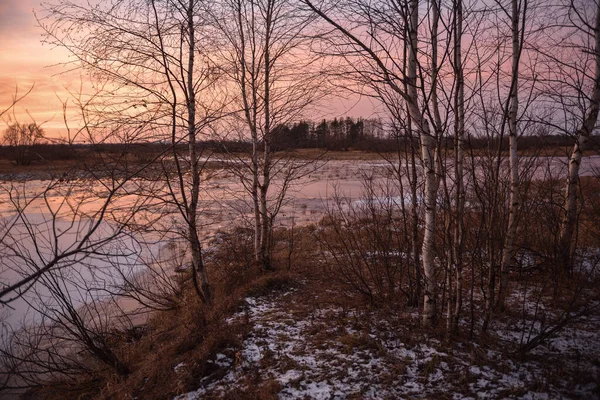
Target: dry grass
<point x="36" y="168"/>
<point x="190" y="336"/>
<point x="193" y="336"/>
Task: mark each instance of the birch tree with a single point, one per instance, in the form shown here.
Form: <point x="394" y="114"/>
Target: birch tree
<point x="149" y="61"/>
<point x="375" y="58"/>
<point x="582" y="136"/>
<point x="518" y="18"/>
<point x="276" y="81"/>
<point x="459" y="140"/>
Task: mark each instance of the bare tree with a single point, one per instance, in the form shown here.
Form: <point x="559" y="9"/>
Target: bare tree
<point x="454" y="307"/>
<point x="569" y="221"/>
<point x="62" y="241"/>
<point x="276" y="80"/>
<point x="20" y="138"/>
<point x="518" y="18"/>
<point x="151" y="60"/>
<point x="414" y="78"/>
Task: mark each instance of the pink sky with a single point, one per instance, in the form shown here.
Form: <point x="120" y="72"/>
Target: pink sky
<point x="26" y="62"/>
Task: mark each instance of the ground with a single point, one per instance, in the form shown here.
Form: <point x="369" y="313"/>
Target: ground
<point x="299" y="344"/>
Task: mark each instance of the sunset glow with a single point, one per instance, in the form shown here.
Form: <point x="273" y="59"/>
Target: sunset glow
<point x="26" y="64"/>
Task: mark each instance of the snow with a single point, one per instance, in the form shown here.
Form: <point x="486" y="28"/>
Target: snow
<point x="178" y="366"/>
<point x="327" y="353"/>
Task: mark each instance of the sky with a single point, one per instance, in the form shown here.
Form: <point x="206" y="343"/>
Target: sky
<point x="26" y="62"/>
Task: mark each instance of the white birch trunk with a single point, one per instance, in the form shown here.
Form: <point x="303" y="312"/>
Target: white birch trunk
<point x="256" y="203"/>
<point x="193" y="237"/>
<point x="430" y="283"/>
<point x="411" y="171"/>
<point x="415" y="221"/>
<point x="508" y="252"/>
<point x="459" y="133"/>
<point x="427" y="153"/>
<point x="250" y="111"/>
<point x="266" y="171"/>
<point x="567" y="229"/>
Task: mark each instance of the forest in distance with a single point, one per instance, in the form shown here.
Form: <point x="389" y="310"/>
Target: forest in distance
<point x="198" y="230"/>
<point x="346" y="134"/>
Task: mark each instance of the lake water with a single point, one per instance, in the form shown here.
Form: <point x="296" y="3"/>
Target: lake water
<point x="29" y="241"/>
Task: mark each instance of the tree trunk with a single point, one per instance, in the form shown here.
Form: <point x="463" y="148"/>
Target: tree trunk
<point x="266" y="172"/>
<point x="508" y="253"/>
<point x="430" y="282"/>
<point x="255" y="200"/>
<point x="196" y="249"/>
<point x="428" y="146"/>
<point x="459" y="135"/>
<point x="567" y="229"/>
<point x="414" y="210"/>
<point x="411" y="173"/>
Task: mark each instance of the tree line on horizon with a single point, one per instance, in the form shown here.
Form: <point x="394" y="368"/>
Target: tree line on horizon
<point x="338" y="134"/>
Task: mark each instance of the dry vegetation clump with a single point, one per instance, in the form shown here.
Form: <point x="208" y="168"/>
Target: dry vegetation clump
<point x="177" y="348"/>
<point x="366" y="252"/>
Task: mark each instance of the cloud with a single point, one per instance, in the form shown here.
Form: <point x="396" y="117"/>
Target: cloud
<point x="17" y="19"/>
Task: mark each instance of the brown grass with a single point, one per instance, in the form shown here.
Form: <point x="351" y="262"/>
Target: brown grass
<point x="193" y="334"/>
<point x="8" y="167"/>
